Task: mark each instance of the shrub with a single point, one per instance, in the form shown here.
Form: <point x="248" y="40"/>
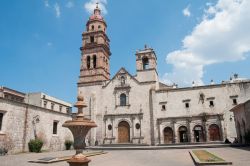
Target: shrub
<point x="3" y="151"/>
<point x="35" y="145"/>
<point x="68" y="144"/>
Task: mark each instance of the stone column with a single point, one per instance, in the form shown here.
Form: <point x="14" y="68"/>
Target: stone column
<point x="132" y="128"/>
<point x="159" y="131"/>
<point x="173" y="127"/>
<point x="204" y="125"/>
<point x="112" y="134"/>
<point x="140" y="128"/>
<point x="105" y="130"/>
<point x="189" y="130"/>
<point x="221" y="119"/>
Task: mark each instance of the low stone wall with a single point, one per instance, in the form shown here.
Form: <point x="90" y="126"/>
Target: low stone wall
<point x="21" y="122"/>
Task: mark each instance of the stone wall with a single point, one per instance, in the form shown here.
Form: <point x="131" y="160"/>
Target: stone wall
<point x="242" y="118"/>
<point x="21" y="122"/>
<point x="145" y="108"/>
<point x="103" y="101"/>
<point x="221" y="95"/>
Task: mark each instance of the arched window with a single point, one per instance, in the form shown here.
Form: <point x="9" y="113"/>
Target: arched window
<point x="123" y="99"/>
<point x="94" y="61"/>
<point x="92" y="27"/>
<point x="92" y="39"/>
<point x="122" y="80"/>
<point x="88" y="62"/>
<point x="99" y="26"/>
<point x="145" y="63"/>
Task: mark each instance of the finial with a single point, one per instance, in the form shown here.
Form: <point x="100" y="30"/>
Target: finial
<point x="80" y="98"/>
<point x="212" y="82"/>
<point x="97" y="3"/>
<point x="193" y="83"/>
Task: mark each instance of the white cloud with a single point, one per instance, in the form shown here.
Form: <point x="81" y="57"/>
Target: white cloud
<point x="69" y="4"/>
<point x="57" y="10"/>
<point x="186" y="12"/>
<point x="46" y="3"/>
<point x="222" y="36"/>
<point x="91" y="5"/>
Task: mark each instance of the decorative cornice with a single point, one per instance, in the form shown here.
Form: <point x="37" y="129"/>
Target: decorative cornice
<point x="190" y="117"/>
<point x="199" y="87"/>
<point x="122" y="115"/>
<point x="91" y="83"/>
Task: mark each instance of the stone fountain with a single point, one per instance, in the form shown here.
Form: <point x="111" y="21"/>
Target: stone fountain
<point x="79" y="127"/>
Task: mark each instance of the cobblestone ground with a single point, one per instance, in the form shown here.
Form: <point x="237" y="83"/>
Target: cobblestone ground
<point x="171" y="157"/>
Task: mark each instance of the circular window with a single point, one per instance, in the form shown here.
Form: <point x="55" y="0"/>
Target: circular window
<point x="137" y="126"/>
<point x="110" y="127"/>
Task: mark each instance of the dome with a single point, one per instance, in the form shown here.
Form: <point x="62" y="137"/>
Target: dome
<point x="96" y="17"/>
<point x="97" y="14"/>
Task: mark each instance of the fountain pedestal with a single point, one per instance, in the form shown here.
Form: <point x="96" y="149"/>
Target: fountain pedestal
<point x="79" y="127"/>
<point x="79" y="160"/>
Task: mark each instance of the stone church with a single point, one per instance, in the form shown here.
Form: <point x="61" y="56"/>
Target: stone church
<point x="139" y="109"/>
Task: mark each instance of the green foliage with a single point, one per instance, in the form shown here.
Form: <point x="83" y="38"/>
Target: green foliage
<point x="68" y="144"/>
<point x="35" y="145"/>
<point x="247" y="137"/>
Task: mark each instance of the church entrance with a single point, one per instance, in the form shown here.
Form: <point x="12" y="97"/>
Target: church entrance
<point x="214" y="132"/>
<point x="183" y="134"/>
<point x="198" y="133"/>
<point x="168" y="135"/>
<point x="123" y="132"/>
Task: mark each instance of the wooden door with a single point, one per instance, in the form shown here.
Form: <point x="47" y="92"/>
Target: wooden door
<point x="168" y="135"/>
<point x="214" y="133"/>
<point x="123" y="132"/>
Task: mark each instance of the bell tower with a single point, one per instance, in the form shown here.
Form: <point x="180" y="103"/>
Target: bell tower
<point x="146" y="65"/>
<point x="95" y="51"/>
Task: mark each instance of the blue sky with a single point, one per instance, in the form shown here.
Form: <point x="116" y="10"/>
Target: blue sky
<point x="194" y="40"/>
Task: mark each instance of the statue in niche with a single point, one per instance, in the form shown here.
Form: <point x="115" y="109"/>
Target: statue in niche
<point x="202" y="98"/>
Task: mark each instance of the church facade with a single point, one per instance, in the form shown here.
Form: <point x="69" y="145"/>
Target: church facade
<point x="139" y="109"/>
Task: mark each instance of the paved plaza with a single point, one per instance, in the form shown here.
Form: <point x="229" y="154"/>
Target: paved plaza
<point x="171" y="157"/>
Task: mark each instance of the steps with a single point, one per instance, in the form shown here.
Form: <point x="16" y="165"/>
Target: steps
<point x="158" y="147"/>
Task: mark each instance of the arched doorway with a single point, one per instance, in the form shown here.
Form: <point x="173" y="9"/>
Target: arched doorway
<point x="214" y="132"/>
<point x="123" y="132"/>
<point x="183" y="134"/>
<point x="198" y="133"/>
<point x="168" y="135"/>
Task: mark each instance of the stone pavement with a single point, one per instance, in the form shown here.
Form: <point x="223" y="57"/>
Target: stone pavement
<point x="170" y="157"/>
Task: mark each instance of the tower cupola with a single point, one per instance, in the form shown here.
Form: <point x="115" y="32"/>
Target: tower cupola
<point x="97" y="14"/>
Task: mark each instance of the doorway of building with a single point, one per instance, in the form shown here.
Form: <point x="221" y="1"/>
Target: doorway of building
<point x="123" y="132"/>
<point x="168" y="135"/>
<point x="198" y="133"/>
<point x="183" y="134"/>
<point x="214" y="132"/>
